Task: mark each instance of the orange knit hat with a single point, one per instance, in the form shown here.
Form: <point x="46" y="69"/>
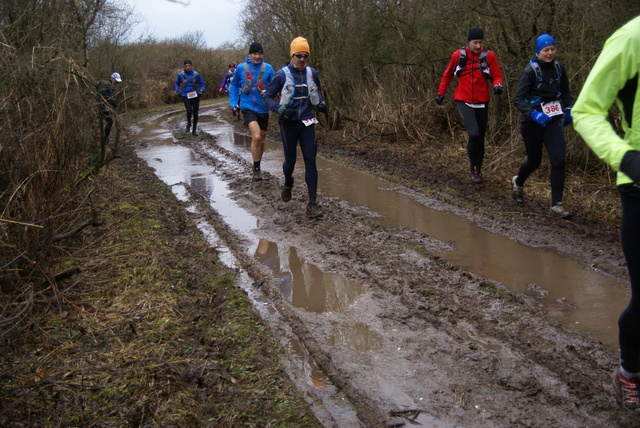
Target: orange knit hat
<point x="299" y="44"/>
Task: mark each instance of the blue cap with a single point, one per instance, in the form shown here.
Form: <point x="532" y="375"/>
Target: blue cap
<point x="544" y="41"/>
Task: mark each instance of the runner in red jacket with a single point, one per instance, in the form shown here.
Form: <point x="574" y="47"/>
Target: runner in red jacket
<point x="477" y="70"/>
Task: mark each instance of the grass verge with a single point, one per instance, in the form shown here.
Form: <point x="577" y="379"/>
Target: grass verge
<point x="151" y="332"/>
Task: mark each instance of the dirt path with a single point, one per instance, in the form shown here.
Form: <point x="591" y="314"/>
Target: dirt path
<point x="464" y="350"/>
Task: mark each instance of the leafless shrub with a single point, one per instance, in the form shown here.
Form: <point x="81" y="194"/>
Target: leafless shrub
<point x="50" y="144"/>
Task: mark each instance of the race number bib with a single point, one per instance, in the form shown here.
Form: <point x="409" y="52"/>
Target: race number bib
<point x="309" y="122"/>
<point x="551" y="109"/>
<point x="192" y="94"/>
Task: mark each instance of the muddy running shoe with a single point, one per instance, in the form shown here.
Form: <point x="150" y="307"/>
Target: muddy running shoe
<point x="257" y="175"/>
<point x="195" y="133"/>
<point x="313" y="210"/>
<point x="475" y="176"/>
<point x="187" y="129"/>
<point x="518" y="191"/>
<point x="286" y="193"/>
<point x="627" y="391"/>
<point x="560" y="211"/>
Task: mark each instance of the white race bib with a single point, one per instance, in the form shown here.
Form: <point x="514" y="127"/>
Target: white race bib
<point x="192" y="94"/>
<point x="309" y="122"/>
<point x="551" y="109"/>
<point x="481" y="105"/>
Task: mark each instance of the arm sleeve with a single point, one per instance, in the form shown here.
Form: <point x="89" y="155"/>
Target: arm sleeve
<point x="316" y="77"/>
<point x="178" y="81"/>
<point x="268" y="98"/>
<point x="234" y="89"/>
<point x="566" y="98"/>
<point x="494" y="66"/>
<point x="201" y="83"/>
<point x="525" y="83"/>
<point x="447" y="76"/>
<point x="618" y="63"/>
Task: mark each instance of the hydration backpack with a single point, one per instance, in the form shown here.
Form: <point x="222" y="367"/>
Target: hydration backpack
<point x="248" y="82"/>
<point x="538" y="71"/>
<point x="185" y="81"/>
<point x="482" y="61"/>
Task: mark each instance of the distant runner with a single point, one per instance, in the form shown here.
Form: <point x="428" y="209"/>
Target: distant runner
<point x="189" y="85"/>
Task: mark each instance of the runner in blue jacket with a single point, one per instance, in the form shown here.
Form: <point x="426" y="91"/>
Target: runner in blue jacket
<point x="245" y="94"/>
<point x="189" y="85"/>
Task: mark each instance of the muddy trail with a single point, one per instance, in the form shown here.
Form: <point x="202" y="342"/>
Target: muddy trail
<point x="386" y="322"/>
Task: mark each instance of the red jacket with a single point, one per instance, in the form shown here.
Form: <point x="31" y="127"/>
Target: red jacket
<point x="472" y="86"/>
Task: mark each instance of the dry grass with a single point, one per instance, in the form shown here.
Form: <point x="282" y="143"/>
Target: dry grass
<point x="151" y="332"/>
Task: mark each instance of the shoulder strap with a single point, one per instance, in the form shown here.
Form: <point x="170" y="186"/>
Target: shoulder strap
<point x="536" y="69"/>
<point x="263" y="67"/>
<point x="462" y="60"/>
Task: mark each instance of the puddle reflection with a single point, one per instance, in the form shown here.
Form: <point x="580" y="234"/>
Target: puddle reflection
<point x="359" y="337"/>
<point x="304" y="284"/>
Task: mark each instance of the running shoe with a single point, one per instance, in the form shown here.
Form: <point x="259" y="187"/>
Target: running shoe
<point x="313" y="210"/>
<point x="195" y="133"/>
<point x="518" y="191"/>
<point x="286" y="193"/>
<point x="187" y="129"/>
<point x="257" y="175"/>
<point x="560" y="211"/>
<point x="627" y="391"/>
<point x="475" y="176"/>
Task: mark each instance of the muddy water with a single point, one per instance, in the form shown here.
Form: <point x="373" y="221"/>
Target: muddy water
<point x="581" y="299"/>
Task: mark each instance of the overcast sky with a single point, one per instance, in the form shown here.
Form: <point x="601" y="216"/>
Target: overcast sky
<point x="217" y="19"/>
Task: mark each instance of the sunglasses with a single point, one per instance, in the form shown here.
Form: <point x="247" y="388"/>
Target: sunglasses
<point x="301" y="55"/>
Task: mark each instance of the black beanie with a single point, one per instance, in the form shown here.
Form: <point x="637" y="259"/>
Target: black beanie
<point x="475" y="33"/>
<point x="255" y="48"/>
<point x="187" y="61"/>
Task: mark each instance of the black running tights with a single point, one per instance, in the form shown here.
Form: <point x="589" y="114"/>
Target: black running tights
<point x="629" y="321"/>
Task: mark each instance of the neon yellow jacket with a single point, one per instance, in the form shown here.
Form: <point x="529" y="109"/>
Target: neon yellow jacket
<point x="614" y="77"/>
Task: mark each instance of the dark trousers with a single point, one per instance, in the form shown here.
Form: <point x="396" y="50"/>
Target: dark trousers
<point x="192" y="105"/>
<point x="294" y="132"/>
<point x="108" y="120"/>
<point x="475" y="122"/>
<point x="629" y="321"/>
<point x="552" y="138"/>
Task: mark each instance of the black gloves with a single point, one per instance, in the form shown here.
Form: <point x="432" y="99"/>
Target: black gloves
<point x="287" y="113"/>
<point x="322" y="108"/>
<point x="497" y="89"/>
<point x="630" y="165"/>
<point x="439" y="99"/>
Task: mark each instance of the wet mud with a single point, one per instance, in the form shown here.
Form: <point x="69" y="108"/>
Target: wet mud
<point x="392" y="331"/>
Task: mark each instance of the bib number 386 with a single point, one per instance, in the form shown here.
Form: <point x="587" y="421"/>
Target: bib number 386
<point x="551" y="109"/>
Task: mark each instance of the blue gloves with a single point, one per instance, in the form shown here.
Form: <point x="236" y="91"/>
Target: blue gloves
<point x="540" y="118"/>
<point x="568" y="119"/>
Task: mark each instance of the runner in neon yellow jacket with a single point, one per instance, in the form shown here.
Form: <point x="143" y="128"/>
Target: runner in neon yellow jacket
<point x="615" y="78"/>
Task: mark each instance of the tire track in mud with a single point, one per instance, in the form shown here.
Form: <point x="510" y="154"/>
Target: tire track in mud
<point x="481" y="355"/>
<point x="367" y="412"/>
